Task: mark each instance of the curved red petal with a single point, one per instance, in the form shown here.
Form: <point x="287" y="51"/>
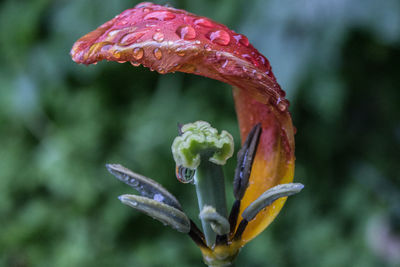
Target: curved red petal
<point x="167" y="40"/>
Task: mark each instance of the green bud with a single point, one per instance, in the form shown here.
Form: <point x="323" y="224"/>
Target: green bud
<point x="199" y="138"/>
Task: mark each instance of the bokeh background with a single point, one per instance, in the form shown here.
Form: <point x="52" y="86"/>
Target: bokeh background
<point x="60" y="123"/>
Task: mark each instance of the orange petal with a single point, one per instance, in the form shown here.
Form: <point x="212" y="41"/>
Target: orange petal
<point x="274" y="161"/>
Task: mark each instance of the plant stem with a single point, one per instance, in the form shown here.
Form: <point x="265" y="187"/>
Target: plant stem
<point x="210" y="189"/>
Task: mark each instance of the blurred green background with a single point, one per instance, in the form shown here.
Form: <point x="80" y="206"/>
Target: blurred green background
<point x="60" y="122"/>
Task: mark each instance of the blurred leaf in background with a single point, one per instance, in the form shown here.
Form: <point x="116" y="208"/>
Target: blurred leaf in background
<point x="61" y="122"/>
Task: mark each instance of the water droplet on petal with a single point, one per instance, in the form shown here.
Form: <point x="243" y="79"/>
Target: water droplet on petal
<point x="158" y="197"/>
<point x="207" y="47"/>
<point x="203" y="22"/>
<point x="117" y="54"/>
<point x="135" y="64"/>
<point x="219" y="37"/>
<point x="186" y="32"/>
<point x="282" y="104"/>
<point x="112" y="33"/>
<point x="158" y="37"/>
<point x="160" y="15"/>
<point x="180" y="52"/>
<point x="138" y="53"/>
<point x="131" y="38"/>
<point x="157" y="53"/>
<point x="105" y="48"/>
<point x="244" y="41"/>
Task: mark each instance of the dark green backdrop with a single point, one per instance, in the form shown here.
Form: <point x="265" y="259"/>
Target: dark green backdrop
<point x="61" y="122"/>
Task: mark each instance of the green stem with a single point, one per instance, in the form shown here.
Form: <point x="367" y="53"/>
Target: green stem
<point x="210" y="189"/>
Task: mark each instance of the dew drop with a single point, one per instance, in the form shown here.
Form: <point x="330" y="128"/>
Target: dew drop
<point x="131" y="38"/>
<point x="158" y="197"/>
<point x="207" y="47"/>
<point x="219" y="37"/>
<point x="112" y="33"/>
<point x="157" y="53"/>
<point x="282" y="104"/>
<point x="259" y="76"/>
<point x="137" y="53"/>
<point x="186" y="32"/>
<point x="105" y="48"/>
<point x="158" y="37"/>
<point x="117" y="54"/>
<point x="133" y="182"/>
<point x="241" y="39"/>
<point x="180" y="52"/>
<point x="160" y="15"/>
<point x="135" y="64"/>
<point x="203" y="22"/>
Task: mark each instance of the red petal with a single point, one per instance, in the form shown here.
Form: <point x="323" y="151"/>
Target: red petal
<point x="167" y="40"/>
<point x="189" y="44"/>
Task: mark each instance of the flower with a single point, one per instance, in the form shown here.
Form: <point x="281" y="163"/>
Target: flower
<point x="168" y="40"/>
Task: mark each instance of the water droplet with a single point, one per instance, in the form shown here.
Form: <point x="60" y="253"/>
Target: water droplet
<point x="225" y="64"/>
<point x="131" y="38"/>
<point x="137" y="53"/>
<point x="282" y="104"/>
<point x="105" y="48"/>
<point x="146" y="10"/>
<point x="180" y="52"/>
<point x="158" y="37"/>
<point x="186" y="32"/>
<point x="184" y="175"/>
<point x="160" y="15"/>
<point x="157" y="53"/>
<point x="197" y="42"/>
<point x="203" y="22"/>
<point x="241" y="39"/>
<point x="134" y="182"/>
<point x="134" y="203"/>
<point x="135" y="64"/>
<point x="207" y="47"/>
<point x="117" y="54"/>
<point x="251" y="59"/>
<point x="219" y="37"/>
<point x="259" y="75"/>
<point x="158" y="197"/>
<point x="112" y="33"/>
<point x="121" y="61"/>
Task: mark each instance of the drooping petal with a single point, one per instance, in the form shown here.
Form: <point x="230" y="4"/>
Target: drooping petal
<point x="167" y="40"/>
<point x="274" y="161"/>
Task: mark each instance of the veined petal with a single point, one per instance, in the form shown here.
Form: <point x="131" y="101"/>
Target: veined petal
<point x="167" y="40"/>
